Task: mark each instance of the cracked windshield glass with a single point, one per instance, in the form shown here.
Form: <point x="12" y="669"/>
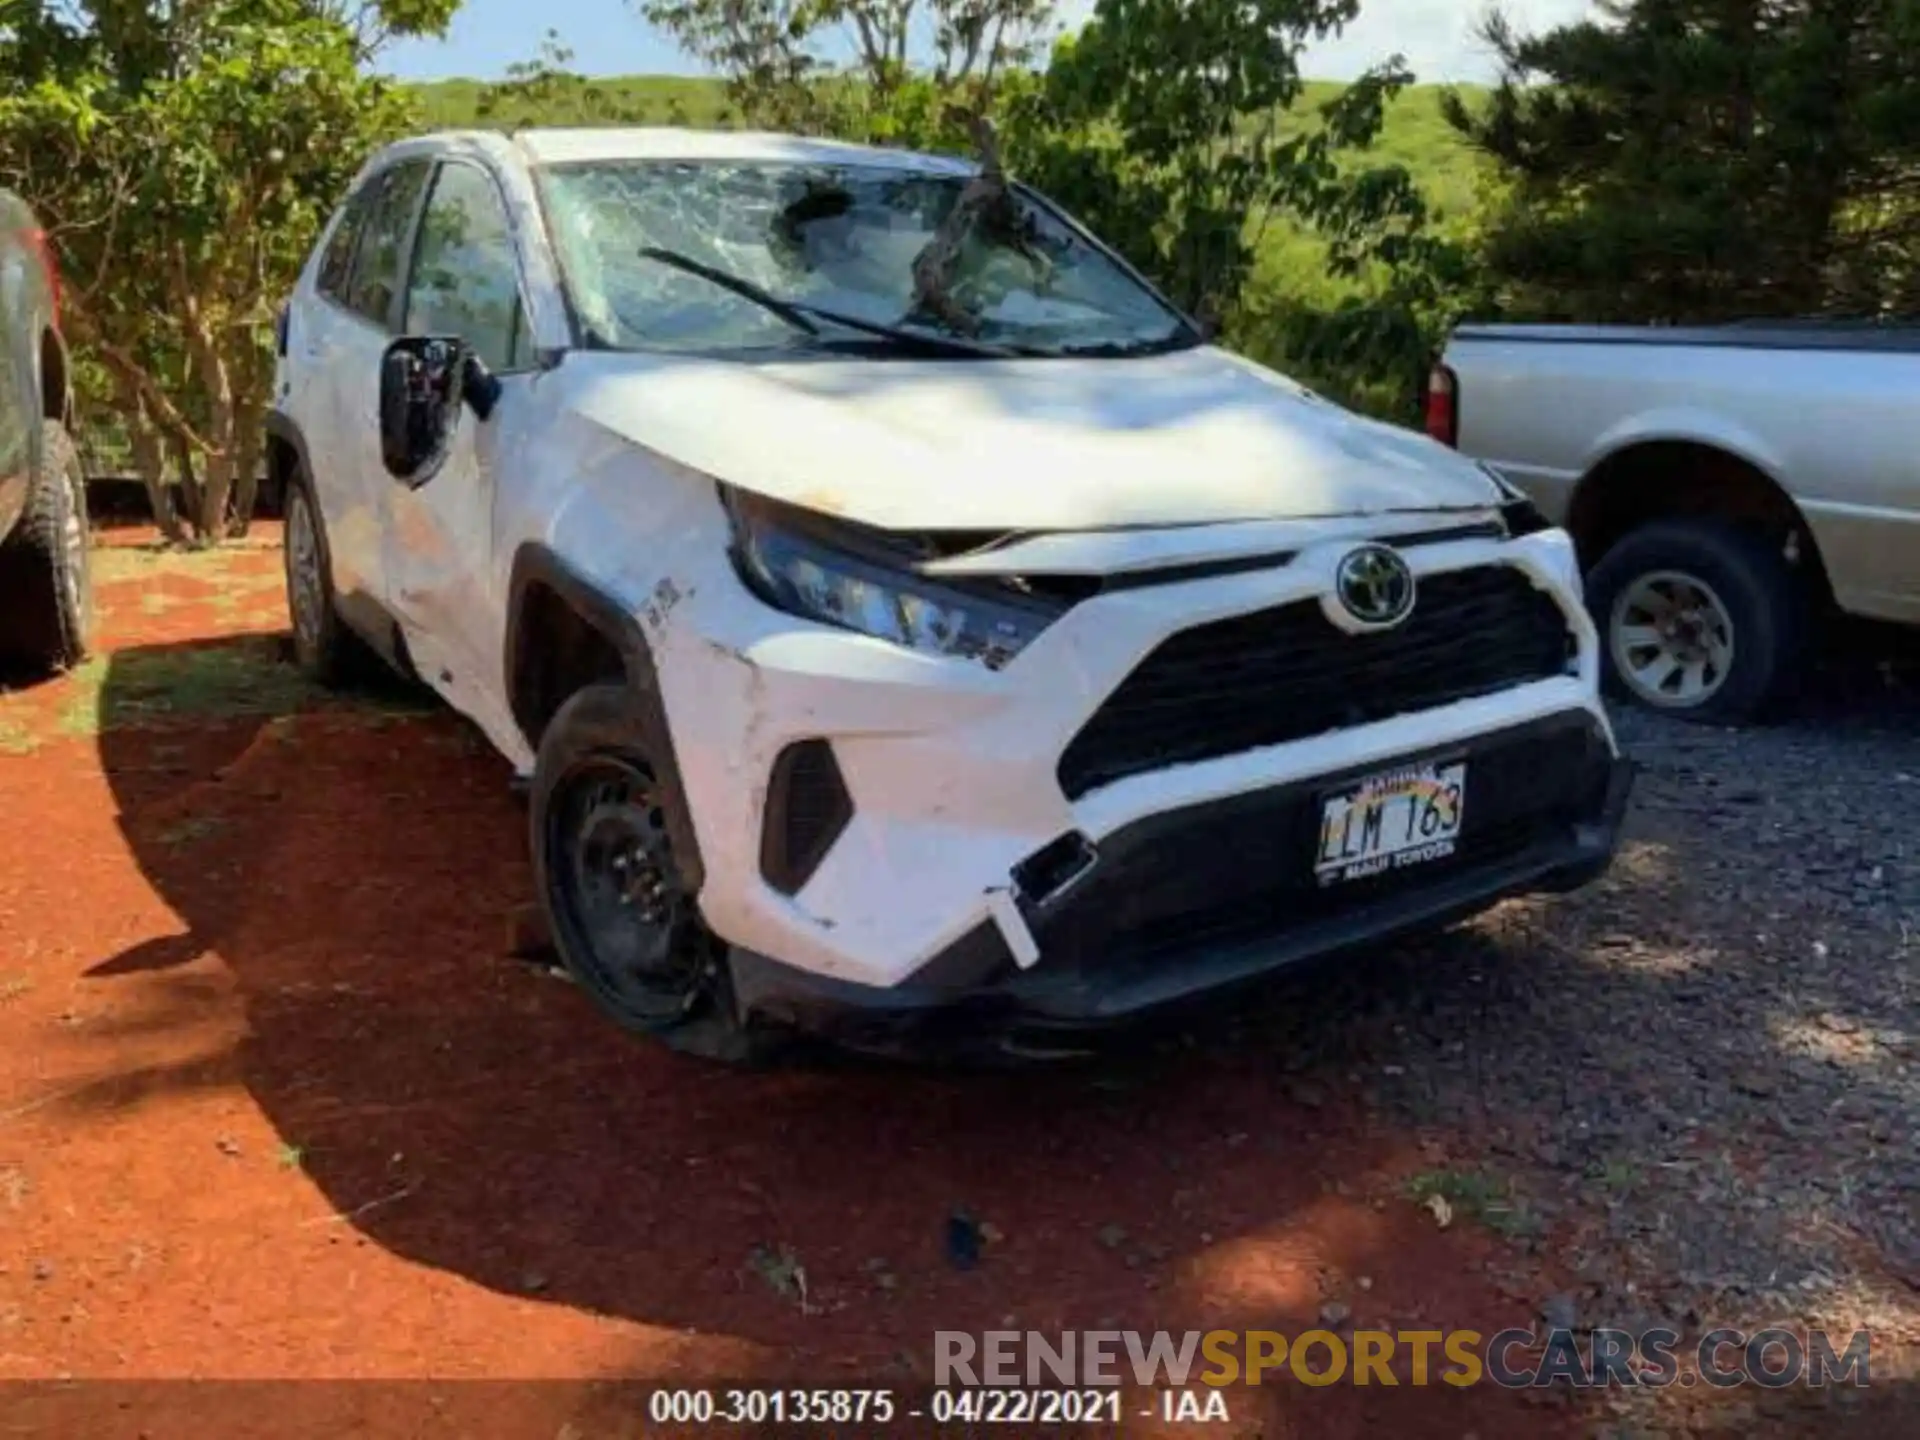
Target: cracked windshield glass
<point x="838" y="239"/>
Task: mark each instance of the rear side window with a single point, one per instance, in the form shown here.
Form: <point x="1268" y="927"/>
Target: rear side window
<point x="336" y="262"/>
<point x="380" y="261"/>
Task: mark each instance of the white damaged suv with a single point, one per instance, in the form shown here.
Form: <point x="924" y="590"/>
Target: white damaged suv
<point x="910" y="628"/>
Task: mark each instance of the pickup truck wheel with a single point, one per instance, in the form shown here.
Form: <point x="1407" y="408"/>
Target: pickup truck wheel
<point x="1698" y="619"/>
<point x="323" y="647"/>
<point x="620" y="912"/>
<point x="46" y="583"/>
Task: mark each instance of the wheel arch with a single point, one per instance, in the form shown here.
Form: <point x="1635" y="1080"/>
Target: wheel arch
<point x="286" y="452"/>
<point x="56" y="387"/>
<point x="565" y="633"/>
<point x="1661" y="478"/>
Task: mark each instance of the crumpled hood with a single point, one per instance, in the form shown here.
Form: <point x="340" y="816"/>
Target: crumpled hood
<point x="1195" y="437"/>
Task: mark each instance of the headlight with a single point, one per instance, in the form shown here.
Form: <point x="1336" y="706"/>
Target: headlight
<point x="1520" y="515"/>
<point x="860" y="579"/>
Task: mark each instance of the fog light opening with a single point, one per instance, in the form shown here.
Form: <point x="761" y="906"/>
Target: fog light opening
<point x="1047" y="874"/>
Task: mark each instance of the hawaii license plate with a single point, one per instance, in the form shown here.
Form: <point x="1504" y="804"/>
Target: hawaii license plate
<point x="1389" y="821"/>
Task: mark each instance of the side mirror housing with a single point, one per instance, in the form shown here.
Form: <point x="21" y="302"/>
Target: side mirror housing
<point x="424" y="380"/>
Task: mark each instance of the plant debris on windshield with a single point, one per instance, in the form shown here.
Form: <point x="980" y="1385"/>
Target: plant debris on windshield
<point x="988" y="202"/>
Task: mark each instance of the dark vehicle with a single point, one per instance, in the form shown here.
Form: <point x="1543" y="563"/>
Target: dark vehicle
<point x="46" y="602"/>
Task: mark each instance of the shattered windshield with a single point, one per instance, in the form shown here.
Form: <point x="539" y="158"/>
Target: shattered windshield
<point x="838" y="239"/>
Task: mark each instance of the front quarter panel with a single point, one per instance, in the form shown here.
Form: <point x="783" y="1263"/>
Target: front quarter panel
<point x="619" y="516"/>
<point x="639" y="532"/>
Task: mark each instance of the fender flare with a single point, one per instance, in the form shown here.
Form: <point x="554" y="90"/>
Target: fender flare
<point x="29" y="343"/>
<point x="52" y="340"/>
<point x="1673" y="425"/>
<point x="283" y="427"/>
<point x="535" y="563"/>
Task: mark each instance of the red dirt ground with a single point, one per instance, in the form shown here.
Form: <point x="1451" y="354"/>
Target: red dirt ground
<point x="276" y="1102"/>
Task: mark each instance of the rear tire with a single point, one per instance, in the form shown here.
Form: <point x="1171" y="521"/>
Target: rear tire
<point x="324" y="648"/>
<point x="46" y="579"/>
<point x="1700" y="620"/>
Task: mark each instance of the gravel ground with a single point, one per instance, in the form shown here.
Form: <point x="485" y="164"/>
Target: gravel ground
<point x="1691" y="1090"/>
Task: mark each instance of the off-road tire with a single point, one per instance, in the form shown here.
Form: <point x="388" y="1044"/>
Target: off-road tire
<point x="46" y="580"/>
<point x="1765" y="599"/>
<point x="329" y="653"/>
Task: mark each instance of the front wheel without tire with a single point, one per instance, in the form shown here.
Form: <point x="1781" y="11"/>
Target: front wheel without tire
<point x="1698" y="619"/>
<point x="620" y="910"/>
<point x="46" y="578"/>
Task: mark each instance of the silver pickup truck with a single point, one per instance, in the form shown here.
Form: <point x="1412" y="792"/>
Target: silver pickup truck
<point x="1725" y="486"/>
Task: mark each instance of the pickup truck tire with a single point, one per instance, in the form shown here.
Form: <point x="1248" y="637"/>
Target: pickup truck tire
<point x="46" y="582"/>
<point x="1698" y="619"/>
<point x="619" y="910"/>
<point x="324" y="647"/>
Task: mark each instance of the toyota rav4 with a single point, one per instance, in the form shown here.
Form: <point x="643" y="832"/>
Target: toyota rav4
<point x="908" y="626"/>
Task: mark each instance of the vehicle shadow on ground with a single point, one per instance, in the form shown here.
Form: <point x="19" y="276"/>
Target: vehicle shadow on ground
<point x="1865" y="675"/>
<point x="355" y="871"/>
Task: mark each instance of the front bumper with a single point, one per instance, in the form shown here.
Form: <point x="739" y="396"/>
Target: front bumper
<point x="1190" y="903"/>
<point x="930" y="785"/>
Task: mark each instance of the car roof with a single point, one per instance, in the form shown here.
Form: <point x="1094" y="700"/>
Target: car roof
<point x="558" y="146"/>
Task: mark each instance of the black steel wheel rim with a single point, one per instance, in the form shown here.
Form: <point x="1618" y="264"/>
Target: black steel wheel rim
<point x="624" y="912"/>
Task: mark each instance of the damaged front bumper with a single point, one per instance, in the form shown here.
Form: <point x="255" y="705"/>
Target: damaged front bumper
<point x="1195" y="902"/>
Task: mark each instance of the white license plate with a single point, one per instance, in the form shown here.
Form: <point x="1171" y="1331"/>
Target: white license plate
<point x="1391" y="820"/>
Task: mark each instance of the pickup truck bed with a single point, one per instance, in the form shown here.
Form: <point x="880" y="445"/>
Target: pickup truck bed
<point x="1724" y="484"/>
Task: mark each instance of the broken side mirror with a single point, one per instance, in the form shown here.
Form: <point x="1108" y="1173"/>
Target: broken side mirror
<point x="1210" y="325"/>
<point x="424" y="380"/>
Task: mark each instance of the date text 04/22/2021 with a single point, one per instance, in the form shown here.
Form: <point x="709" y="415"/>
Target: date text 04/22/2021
<point x="1101" y="1405"/>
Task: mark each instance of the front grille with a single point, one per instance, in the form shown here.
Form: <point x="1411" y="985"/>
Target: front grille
<point x="1289" y="673"/>
<point x="1241" y="870"/>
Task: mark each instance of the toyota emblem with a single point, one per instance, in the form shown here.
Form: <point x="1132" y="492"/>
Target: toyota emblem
<point x="1375" y="586"/>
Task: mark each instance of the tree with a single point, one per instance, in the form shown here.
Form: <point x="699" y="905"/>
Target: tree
<point x="1699" y="160"/>
<point x="373" y="23"/>
<point x="547" y="91"/>
<point x="1170" y="125"/>
<point x="1176" y="130"/>
<point x="769" y="53"/>
<point x="182" y="158"/>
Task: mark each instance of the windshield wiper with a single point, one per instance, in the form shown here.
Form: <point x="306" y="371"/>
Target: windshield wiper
<point x="1181" y="339"/>
<point x="802" y="316"/>
<point x="745" y="289"/>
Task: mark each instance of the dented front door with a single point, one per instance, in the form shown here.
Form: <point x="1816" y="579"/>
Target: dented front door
<point x="464" y="284"/>
<point x="439" y="560"/>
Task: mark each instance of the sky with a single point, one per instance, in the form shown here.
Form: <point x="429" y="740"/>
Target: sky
<point x="608" y="38"/>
